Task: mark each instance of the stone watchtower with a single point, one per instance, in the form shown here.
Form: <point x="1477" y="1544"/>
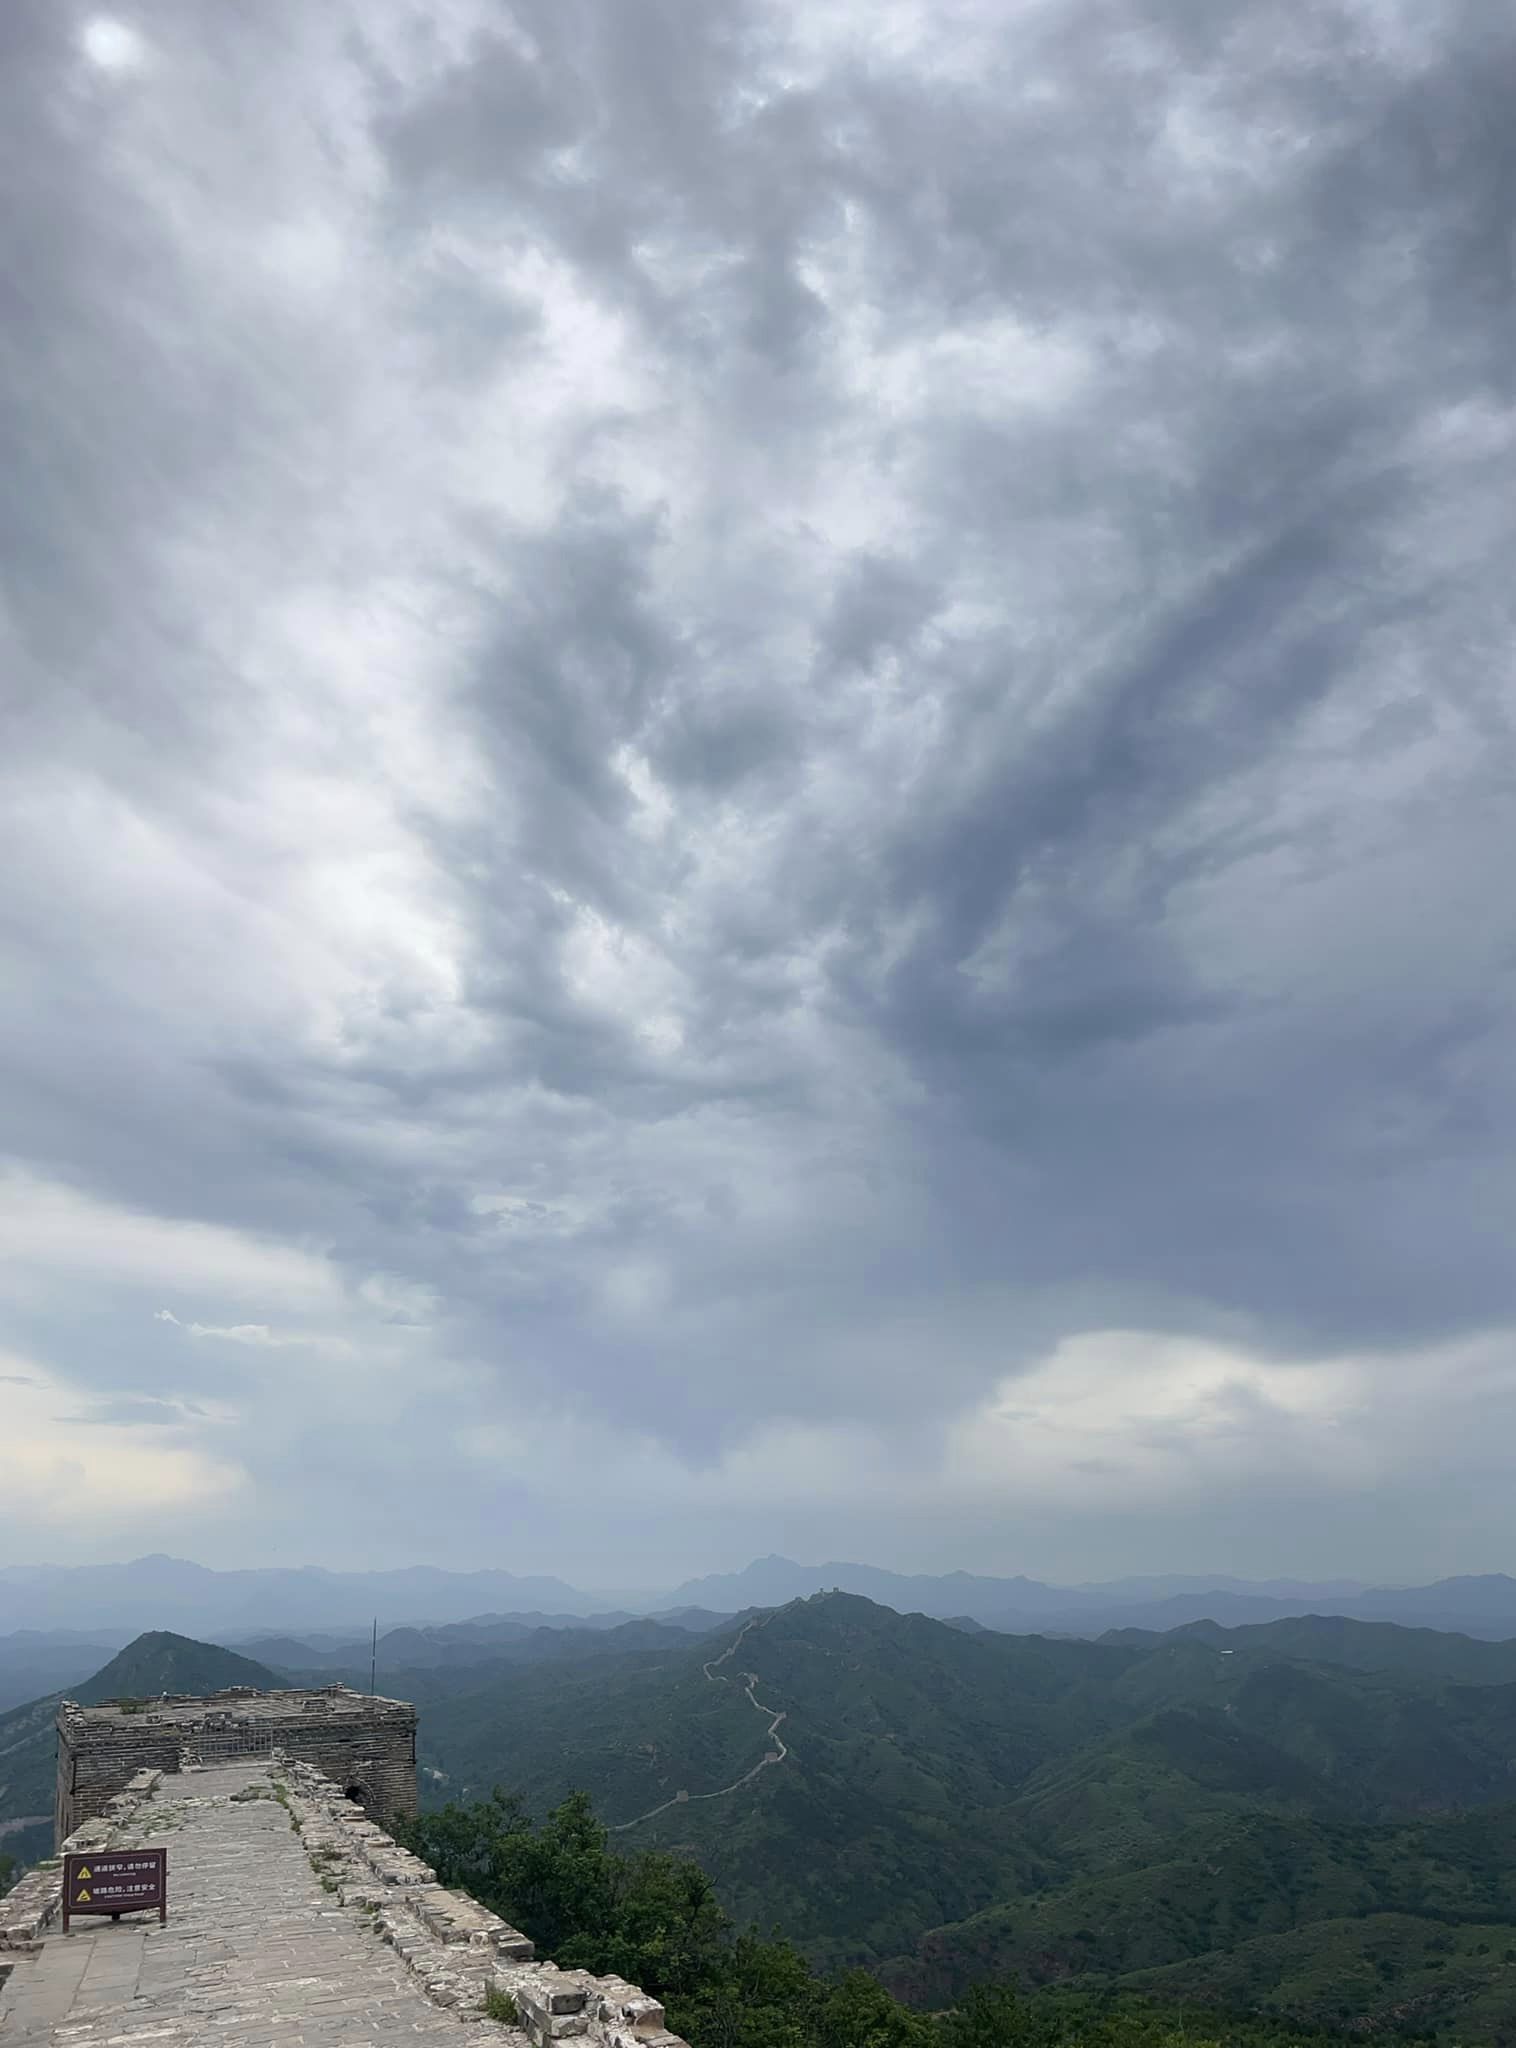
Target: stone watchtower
<point x="367" y="1746"/>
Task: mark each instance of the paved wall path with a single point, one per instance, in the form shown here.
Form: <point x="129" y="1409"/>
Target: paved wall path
<point x="256" y="1954"/>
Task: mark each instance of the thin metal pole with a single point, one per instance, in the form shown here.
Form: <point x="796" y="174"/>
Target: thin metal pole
<point x="373" y="1660"/>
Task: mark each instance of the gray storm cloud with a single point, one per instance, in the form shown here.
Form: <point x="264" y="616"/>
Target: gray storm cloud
<point x="767" y="746"/>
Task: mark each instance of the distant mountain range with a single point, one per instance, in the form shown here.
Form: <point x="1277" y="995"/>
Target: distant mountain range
<point x="1481" y="1606"/>
<point x="153" y="1590"/>
<point x="773" y="1580"/>
<point x="489" y="1640"/>
<point x="101" y="1605"/>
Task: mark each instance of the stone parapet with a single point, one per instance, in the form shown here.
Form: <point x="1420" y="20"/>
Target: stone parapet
<point x="29" y="1909"/>
<point x="462" y="1951"/>
<point x="556" y="2005"/>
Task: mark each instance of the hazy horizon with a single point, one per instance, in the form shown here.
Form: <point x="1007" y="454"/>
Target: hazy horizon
<point x="754" y="767"/>
<point x="607" y="1584"/>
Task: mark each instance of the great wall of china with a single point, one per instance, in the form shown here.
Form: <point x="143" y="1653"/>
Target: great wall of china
<point x="293" y="1917"/>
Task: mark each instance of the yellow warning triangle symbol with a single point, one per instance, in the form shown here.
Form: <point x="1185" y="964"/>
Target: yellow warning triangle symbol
<point x="82" y="1900"/>
<point x="82" y="1875"/>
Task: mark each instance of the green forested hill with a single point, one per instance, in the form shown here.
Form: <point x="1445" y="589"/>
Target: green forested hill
<point x="1436" y="1656"/>
<point x="1258" y="1878"/>
<point x="906" y="1738"/>
<point x="1380" y="1973"/>
<point x="159" y="1662"/>
<point x="955" y="1808"/>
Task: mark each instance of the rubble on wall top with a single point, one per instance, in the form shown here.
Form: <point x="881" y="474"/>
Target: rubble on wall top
<point x="242" y="1703"/>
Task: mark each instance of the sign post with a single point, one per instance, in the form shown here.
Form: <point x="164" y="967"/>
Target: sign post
<point x="117" y="1881"/>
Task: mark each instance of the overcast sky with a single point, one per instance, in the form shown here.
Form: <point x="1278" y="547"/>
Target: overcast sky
<point x="756" y="784"/>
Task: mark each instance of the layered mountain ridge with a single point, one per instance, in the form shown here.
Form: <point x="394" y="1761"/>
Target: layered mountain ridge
<point x="239" y="1606"/>
<point x="1312" y="1816"/>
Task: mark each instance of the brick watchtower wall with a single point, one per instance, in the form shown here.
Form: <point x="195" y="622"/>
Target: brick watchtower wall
<point x="366" y="1746"/>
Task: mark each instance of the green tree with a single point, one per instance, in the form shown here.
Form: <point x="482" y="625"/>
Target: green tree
<point x="666" y="1927"/>
<point x="992" y="2016"/>
<point x="758" y="1994"/>
<point x="651" y="1918"/>
<point x="858" y="2013"/>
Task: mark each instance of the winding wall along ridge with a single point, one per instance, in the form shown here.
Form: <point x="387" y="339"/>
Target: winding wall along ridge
<point x="776" y="1755"/>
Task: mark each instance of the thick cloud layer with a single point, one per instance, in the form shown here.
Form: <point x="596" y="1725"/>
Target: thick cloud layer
<point x="757" y="782"/>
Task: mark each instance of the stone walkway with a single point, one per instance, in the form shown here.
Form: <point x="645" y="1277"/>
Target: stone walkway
<point x="256" y="1954"/>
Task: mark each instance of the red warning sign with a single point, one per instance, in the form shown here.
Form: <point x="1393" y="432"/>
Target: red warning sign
<point x="117" y="1881"/>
